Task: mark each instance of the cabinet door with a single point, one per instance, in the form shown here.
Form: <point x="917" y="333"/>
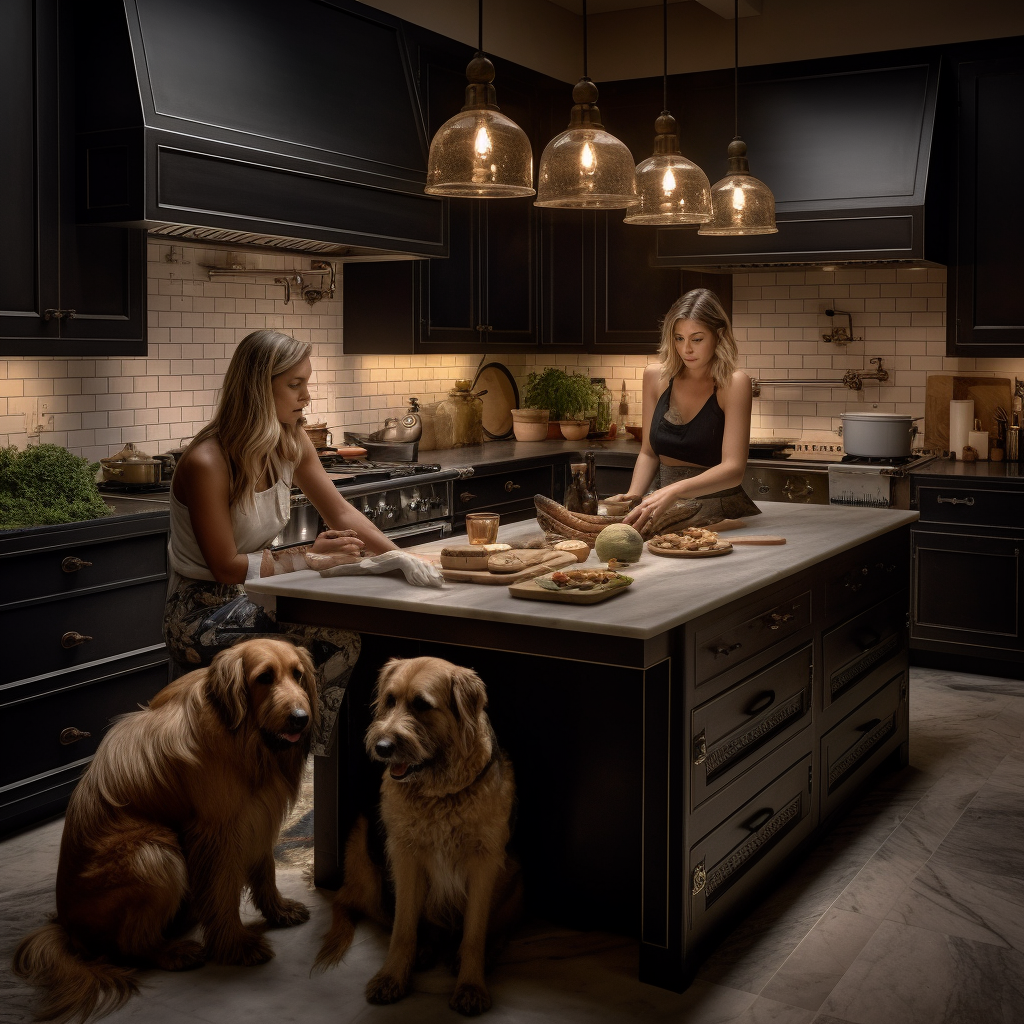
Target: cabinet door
<point x="450" y="289"/>
<point x="987" y="305"/>
<point x="28" y="174"/>
<point x="567" y="280"/>
<point x="966" y="590"/>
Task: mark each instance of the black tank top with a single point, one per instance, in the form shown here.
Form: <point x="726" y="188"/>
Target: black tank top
<point x="698" y="442"/>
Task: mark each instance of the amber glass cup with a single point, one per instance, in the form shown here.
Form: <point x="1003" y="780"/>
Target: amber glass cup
<point x="482" y="527"/>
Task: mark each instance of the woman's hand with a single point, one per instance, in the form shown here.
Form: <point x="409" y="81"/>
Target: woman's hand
<point x="337" y="542"/>
<point x="651" y="506"/>
<point x="631" y="498"/>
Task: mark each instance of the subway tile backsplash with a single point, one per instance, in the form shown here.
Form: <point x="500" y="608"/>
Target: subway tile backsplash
<point x="194" y="323"/>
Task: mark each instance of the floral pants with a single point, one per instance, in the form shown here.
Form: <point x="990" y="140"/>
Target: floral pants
<point x="202" y="618"/>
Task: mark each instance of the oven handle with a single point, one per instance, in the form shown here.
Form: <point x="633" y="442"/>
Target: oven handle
<point x="379" y="486"/>
<point x="442" y="526"/>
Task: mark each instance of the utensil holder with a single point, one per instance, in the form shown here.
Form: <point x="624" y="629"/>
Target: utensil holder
<point x="1013" y="444"/>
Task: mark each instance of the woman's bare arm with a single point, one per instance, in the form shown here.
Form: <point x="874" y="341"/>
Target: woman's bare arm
<point x="647" y="463"/>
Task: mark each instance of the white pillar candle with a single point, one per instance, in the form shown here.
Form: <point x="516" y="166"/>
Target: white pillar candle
<point x="978" y="440"/>
<point x="961" y="420"/>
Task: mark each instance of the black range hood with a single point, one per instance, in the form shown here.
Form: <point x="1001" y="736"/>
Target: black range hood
<point x="292" y="126"/>
<point x="846" y="146"/>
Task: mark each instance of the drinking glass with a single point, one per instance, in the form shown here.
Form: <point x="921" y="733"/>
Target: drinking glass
<point x="482" y="527"/>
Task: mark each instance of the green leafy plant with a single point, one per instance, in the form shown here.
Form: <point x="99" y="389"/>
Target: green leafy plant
<point x="568" y="396"/>
<point x="46" y="485"/>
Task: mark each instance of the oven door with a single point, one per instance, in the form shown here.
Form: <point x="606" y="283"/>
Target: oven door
<point x="419" y="533"/>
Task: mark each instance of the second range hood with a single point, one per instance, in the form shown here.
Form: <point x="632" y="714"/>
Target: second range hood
<point x="846" y="146"/>
<point x="250" y="122"/>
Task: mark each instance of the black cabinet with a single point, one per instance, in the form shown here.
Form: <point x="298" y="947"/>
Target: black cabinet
<point x="65" y="288"/>
<point x="986" y="304"/>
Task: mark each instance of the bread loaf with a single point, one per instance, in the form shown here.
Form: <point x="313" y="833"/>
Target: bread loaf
<point x="466" y="557"/>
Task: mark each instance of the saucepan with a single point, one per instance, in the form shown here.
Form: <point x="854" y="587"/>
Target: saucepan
<point x="131" y="466"/>
<point x="878" y="435"/>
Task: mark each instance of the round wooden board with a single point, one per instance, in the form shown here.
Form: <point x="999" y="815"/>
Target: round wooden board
<point x="722" y="549"/>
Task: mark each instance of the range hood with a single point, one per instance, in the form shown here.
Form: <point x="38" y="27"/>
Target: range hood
<point x="254" y="123"/>
<point x="846" y="146"/>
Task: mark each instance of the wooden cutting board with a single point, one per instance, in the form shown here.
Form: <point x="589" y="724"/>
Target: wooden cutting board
<point x="557" y="560"/>
<point x="722" y="548"/>
<point x="988" y="393"/>
<point x="533" y="592"/>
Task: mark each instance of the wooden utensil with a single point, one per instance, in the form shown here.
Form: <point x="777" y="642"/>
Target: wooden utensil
<point x="761" y="539"/>
<point x="722" y="548"/>
<point x="555" y="560"/>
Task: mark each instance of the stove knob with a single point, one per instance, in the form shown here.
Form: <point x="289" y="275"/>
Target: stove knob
<point x="386" y="512"/>
<point x="796" y="488"/>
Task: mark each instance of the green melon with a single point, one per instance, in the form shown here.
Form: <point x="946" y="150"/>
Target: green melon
<point x="619" y="541"/>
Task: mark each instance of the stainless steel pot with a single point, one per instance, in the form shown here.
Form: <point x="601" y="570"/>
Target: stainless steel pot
<point x="131" y="466"/>
<point x="878" y="435"/>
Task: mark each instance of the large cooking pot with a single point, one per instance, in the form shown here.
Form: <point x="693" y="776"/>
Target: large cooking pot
<point x="131" y="466"/>
<point x="878" y="435"/>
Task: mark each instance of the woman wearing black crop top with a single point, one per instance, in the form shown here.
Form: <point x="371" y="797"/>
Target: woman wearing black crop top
<point x="696" y="414"/>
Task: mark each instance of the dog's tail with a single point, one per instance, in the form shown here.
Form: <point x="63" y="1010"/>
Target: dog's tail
<point x="338" y="939"/>
<point x="76" y="989"/>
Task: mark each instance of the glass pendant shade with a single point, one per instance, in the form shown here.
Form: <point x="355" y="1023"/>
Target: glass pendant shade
<point x="741" y="204"/>
<point x="480" y="153"/>
<point x="585" y="167"/>
<point x="671" y="189"/>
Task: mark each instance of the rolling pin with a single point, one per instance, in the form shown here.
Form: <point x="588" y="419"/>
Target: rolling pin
<point x="763" y="539"/>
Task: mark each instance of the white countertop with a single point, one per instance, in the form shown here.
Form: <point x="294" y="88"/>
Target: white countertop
<point x="666" y="593"/>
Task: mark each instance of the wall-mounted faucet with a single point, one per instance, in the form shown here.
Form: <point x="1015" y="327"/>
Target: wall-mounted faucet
<point x="840" y="335"/>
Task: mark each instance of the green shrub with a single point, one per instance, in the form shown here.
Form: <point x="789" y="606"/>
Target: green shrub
<point x="46" y="485"/>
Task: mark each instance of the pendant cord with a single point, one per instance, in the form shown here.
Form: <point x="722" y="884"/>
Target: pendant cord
<point x="736" y="67"/>
<point x="664" y="33"/>
<point x="480" y="27"/>
<point x="585" y="39"/>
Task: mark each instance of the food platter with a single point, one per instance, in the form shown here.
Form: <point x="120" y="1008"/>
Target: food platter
<point x="721" y="548"/>
<point x="538" y="590"/>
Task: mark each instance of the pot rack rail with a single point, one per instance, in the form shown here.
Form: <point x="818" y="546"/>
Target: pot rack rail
<point x="852" y="379"/>
<point x="318" y="268"/>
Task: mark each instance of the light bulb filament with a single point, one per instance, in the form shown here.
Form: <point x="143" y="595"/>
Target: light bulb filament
<point x="483" y="142"/>
<point x="668" y="182"/>
<point x="738" y="199"/>
<point x="587" y="157"/>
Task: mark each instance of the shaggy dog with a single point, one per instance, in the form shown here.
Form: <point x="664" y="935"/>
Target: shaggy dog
<point x="176" y="815"/>
<point x="447" y="797"/>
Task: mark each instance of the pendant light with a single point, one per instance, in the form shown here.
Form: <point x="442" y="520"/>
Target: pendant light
<point x="480" y="153"/>
<point x="586" y="168"/>
<point x="672" y="189"/>
<point x="741" y="204"/>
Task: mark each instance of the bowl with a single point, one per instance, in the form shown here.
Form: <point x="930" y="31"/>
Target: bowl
<point x="636" y="433"/>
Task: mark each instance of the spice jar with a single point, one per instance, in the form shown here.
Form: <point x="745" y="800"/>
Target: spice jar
<point x="458" y="421"/>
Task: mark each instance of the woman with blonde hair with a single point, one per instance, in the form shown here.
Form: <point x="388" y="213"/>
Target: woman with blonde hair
<point x="230" y="497"/>
<point x="696" y="420"/>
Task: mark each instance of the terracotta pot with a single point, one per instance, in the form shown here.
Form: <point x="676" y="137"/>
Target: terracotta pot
<point x="574" y="430"/>
<point x="530" y="424"/>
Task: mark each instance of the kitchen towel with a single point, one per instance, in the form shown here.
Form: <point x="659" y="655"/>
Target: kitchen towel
<point x="860" y="486"/>
<point x="961" y="421"/>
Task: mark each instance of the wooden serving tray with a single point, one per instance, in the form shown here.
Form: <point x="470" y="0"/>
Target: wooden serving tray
<point x="557" y="560"/>
<point x="532" y="592"/>
<point x="723" y="548"/>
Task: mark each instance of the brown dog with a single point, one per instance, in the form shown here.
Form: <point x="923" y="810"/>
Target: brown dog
<point x="176" y="815"/>
<point x="446" y="802"/>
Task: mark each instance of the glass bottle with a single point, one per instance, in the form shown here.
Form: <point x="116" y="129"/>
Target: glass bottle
<point x="579" y="497"/>
<point x="458" y="421"/>
<point x="601" y="419"/>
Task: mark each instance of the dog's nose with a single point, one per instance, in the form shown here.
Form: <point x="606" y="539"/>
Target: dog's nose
<point x="384" y="748"/>
<point x="297" y="720"/>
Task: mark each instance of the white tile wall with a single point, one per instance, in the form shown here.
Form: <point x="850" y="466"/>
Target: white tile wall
<point x="194" y="324"/>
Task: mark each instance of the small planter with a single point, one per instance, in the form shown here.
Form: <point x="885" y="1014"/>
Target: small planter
<point x="530" y="424"/>
<point x="574" y="430"/>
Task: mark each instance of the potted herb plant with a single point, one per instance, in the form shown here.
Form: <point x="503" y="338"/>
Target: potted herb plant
<point x="566" y="396"/>
<point x="530" y="421"/>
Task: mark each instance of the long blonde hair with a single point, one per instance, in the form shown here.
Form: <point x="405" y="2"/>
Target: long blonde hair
<point x="245" y="424"/>
<point x="702" y="305"/>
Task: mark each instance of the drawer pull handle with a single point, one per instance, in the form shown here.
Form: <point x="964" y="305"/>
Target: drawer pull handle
<point x="759" y="820"/>
<point x="73" y="639"/>
<point x="868" y="726"/>
<point x="73" y="564"/>
<point x="700" y="748"/>
<point x="765" y="701"/>
<point x="777" y="619"/>
<point x="465" y="497"/>
<point x="954" y="501"/>
<point x="510" y="487"/>
<point x="72" y="735"/>
<point x="723" y="649"/>
<point x="699" y="880"/>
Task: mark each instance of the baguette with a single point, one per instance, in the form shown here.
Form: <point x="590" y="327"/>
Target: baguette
<point x="578" y="520"/>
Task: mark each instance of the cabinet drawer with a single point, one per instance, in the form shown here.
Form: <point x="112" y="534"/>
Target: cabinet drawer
<point x="116" y="621"/>
<point x="851" y="651"/>
<point x="741" y="726"/>
<point x="734" y="859"/>
<point x="855" y="746"/>
<point x="47" y="731"/>
<point x="866" y="575"/>
<point x="971" y="506"/>
<point x="513" y="488"/>
<point x="67" y="570"/>
<point x="747" y="632"/>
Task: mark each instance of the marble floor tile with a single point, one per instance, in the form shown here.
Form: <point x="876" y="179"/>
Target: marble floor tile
<point x="988" y="835"/>
<point x="915" y="976"/>
<point x="816" y="966"/>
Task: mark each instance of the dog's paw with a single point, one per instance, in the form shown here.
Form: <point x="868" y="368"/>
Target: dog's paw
<point x="470" y="1000"/>
<point x="185" y="955"/>
<point x="249" y="950"/>
<point x="287" y="913"/>
<point x="384" y="988"/>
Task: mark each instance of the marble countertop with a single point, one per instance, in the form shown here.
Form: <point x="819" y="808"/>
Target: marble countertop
<point x="666" y="593"/>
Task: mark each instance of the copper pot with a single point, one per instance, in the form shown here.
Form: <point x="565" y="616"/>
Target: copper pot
<point x="131" y="466"/>
<point x="318" y="434"/>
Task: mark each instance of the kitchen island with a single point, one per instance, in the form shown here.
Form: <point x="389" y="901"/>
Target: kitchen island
<point x="673" y="745"/>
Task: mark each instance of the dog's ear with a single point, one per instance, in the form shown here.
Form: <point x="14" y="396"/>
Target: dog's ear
<point x="467" y="701"/>
<point x="308" y="682"/>
<point x="226" y="686"/>
<point x="382" y="680"/>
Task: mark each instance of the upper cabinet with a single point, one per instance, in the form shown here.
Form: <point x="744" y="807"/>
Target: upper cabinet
<point x="65" y="288"/>
<point x="986" y="301"/>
